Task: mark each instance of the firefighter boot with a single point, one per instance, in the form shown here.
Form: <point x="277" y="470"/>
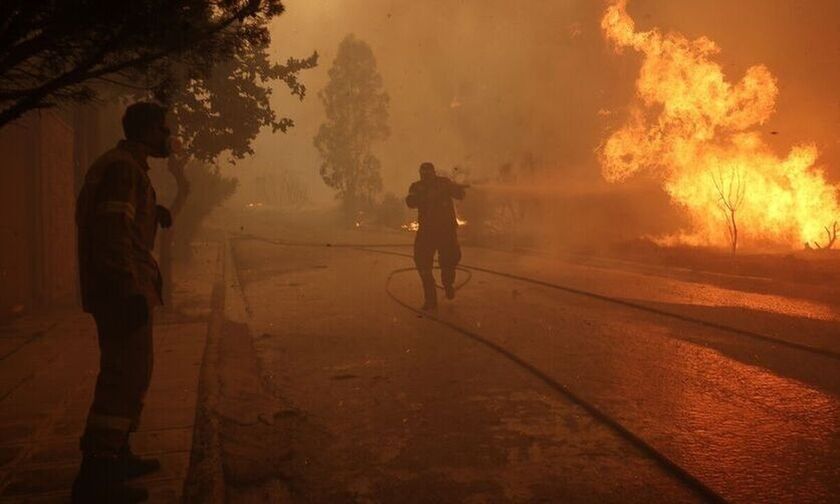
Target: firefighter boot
<point x="101" y="479"/>
<point x="450" y="291"/>
<point x="134" y="466"/>
<point x="447" y="276"/>
<point x="429" y="290"/>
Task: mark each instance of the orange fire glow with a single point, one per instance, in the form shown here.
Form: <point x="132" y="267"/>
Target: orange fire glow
<point x="696" y="132"/>
<point x="415" y="226"/>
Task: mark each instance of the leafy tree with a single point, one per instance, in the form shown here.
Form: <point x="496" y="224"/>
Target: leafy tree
<point x="218" y="108"/>
<point x="356" y="107"/>
<point x="221" y="109"/>
<point x="54" y="51"/>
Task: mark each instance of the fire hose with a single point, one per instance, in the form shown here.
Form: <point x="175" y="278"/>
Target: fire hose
<point x="663" y="460"/>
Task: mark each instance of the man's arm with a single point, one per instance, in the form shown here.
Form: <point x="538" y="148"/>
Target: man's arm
<point x="112" y="225"/>
<point x="414" y="197"/>
<point x="457" y="190"/>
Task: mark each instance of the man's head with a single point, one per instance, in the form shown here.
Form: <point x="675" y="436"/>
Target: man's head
<point x="427" y="171"/>
<point x="145" y="123"/>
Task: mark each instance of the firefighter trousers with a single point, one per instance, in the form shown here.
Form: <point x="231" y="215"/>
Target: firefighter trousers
<point x="445" y="244"/>
<point x="125" y="371"/>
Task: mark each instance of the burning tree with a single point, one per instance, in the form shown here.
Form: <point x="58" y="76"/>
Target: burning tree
<point x="53" y="52"/>
<point x="689" y="119"/>
<point x="356" y="106"/>
<point x="731" y="191"/>
<point x="831" y="237"/>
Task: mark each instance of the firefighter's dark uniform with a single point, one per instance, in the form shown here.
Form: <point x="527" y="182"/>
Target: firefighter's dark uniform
<point x="438" y="231"/>
<point x="120" y="284"/>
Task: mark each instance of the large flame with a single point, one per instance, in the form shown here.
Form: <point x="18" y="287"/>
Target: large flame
<point x="696" y="132"/>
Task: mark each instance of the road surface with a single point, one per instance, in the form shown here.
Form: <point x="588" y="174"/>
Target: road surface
<point x="698" y="391"/>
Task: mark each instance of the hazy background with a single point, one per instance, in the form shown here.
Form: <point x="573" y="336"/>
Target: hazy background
<point x="479" y="83"/>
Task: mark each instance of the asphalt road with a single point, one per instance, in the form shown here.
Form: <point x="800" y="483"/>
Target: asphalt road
<point x="386" y="405"/>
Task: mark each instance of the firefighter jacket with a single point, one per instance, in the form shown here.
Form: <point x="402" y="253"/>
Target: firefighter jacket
<point x="433" y="201"/>
<point x="117" y="221"/>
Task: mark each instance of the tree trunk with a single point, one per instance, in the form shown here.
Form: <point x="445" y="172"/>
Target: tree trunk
<point x="734" y="233"/>
<point x="175" y="164"/>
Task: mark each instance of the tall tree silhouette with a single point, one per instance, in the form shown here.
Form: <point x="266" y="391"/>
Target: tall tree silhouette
<point x="356" y="107"/>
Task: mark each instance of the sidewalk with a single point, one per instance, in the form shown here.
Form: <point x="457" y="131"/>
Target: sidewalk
<point x="48" y="366"/>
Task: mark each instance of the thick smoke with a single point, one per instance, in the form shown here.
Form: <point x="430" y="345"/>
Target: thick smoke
<point x="483" y="83"/>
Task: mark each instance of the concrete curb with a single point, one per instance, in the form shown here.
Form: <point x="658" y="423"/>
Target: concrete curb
<point x="205" y="481"/>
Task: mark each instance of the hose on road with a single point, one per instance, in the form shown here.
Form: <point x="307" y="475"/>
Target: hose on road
<point x="823" y="352"/>
<point x="663" y="460"/>
<point x="377" y="249"/>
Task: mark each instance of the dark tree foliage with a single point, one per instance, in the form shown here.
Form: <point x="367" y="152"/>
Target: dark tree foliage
<point x="222" y="108"/>
<point x="219" y="108"/>
<point x="357" y="116"/>
<point x="54" y="51"/>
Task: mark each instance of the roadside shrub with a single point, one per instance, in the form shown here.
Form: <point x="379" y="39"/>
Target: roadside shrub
<point x="208" y="190"/>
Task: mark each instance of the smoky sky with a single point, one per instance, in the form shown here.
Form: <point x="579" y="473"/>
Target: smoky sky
<point x="480" y="83"/>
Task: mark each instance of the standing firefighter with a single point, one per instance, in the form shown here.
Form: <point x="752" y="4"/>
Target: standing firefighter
<point x="117" y="218"/>
<point x="438" y="232"/>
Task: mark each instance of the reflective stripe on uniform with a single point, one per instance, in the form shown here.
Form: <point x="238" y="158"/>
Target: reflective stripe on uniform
<point x="122" y="207"/>
<point x="109" y="422"/>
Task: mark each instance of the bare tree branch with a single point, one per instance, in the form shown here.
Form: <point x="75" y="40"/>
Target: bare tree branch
<point x="831" y="237"/>
<point x="728" y="202"/>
